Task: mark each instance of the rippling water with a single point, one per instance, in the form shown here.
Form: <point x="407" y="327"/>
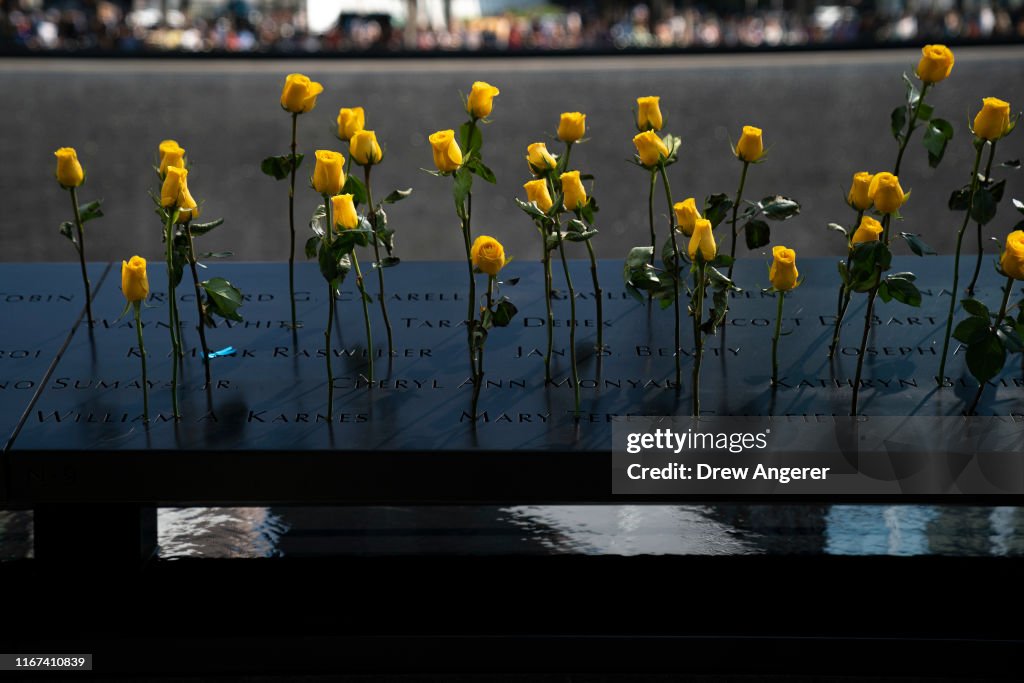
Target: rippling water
<point x="722" y="529"/>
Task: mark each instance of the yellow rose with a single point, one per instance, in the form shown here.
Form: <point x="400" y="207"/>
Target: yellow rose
<point x="571" y="126"/>
<point x="575" y="197"/>
<point x="329" y="172"/>
<point x="686" y="215"/>
<point x="750" y="147"/>
<point x="171" y="154"/>
<point x="885" y="192"/>
<point x="993" y="121"/>
<point x="650" y="148"/>
<point x="299" y="93"/>
<point x="539" y="157"/>
<point x="170" y="191"/>
<point x="344" y="209"/>
<point x="447" y="155"/>
<point x="134" y="283"/>
<point x="1012" y="261"/>
<point x="487" y="255"/>
<point x="783" y="273"/>
<point x="481" y="100"/>
<point x="869" y="230"/>
<point x="858" y="197"/>
<point x="187" y="207"/>
<point x="703" y="240"/>
<point x="363" y="148"/>
<point x="537" y="192"/>
<point x="350" y="122"/>
<point x="648" y="113"/>
<point x="69" y="171"/>
<point x="936" y="63"/>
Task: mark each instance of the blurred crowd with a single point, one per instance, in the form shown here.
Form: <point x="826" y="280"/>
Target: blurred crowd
<point x="240" y="26"/>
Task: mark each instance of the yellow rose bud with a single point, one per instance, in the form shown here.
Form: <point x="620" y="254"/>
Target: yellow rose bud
<point x="363" y="148"/>
<point x="447" y="155"/>
<point x="344" y="209"/>
<point x="350" y="122"/>
<point x="858" y="196"/>
<point x="299" y="93"/>
<point x="171" y="154"/>
<point x="993" y="121"/>
<point x="481" y="100"/>
<point x="885" y="192"/>
<point x="1012" y="261"/>
<point x="170" y="191"/>
<point x="750" y="147"/>
<point x="869" y="230"/>
<point x="539" y="157"/>
<point x="783" y="273"/>
<point x="648" y="113"/>
<point x="537" y="192"/>
<point x="650" y="148"/>
<point x="575" y="197"/>
<point x="187" y="207"/>
<point x="329" y="172"/>
<point x="488" y="255"/>
<point x="134" y="283"/>
<point x="703" y="240"/>
<point x="936" y="63"/>
<point x="686" y="215"/>
<point x="571" y="126"/>
<point x="69" y="171"/>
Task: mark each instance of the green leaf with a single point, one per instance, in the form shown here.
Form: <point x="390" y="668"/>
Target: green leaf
<point x="579" y="236"/>
<point x="844" y="274"/>
<point x="198" y="229"/>
<point x="924" y="112"/>
<point x="913" y="94"/>
<point x="388" y="262"/>
<point x="223" y="298"/>
<point x="779" y="208"/>
<point x="461" y="188"/>
<point x="883" y="291"/>
<point x="757" y="233"/>
<point x="589" y="209"/>
<point x="216" y="254"/>
<point x="1010" y="338"/>
<point x="479" y="168"/>
<point x="722" y="261"/>
<point x="903" y="290"/>
<point x="983" y="208"/>
<point x="280" y="167"/>
<point x="89" y="211"/>
<point x="898" y="119"/>
<point x="867" y="260"/>
<point x="960" y="199"/>
<point x="972" y="330"/>
<point x="1011" y="163"/>
<point x="716" y="208"/>
<point x="985" y="358"/>
<point x="531" y="209"/>
<point x="335" y="263"/>
<point x="317" y="222"/>
<point x="312" y="244"/>
<point x="996" y="188"/>
<point x="503" y="313"/>
<point x="355" y="187"/>
<point x="552" y="240"/>
<point x="936" y="136"/>
<point x="839" y="228"/>
<point x="976" y="308"/>
<point x="470" y="146"/>
<point x="639" y="257"/>
<point x="1019" y="205"/>
<point x="397" y="196"/>
<point x="67" y="228"/>
<point x="916" y="244"/>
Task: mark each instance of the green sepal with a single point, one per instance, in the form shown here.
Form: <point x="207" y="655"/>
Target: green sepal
<point x="280" y="167"/>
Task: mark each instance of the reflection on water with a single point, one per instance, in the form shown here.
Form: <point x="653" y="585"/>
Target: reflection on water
<point x="219" y="532"/>
<point x="718" y="529"/>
